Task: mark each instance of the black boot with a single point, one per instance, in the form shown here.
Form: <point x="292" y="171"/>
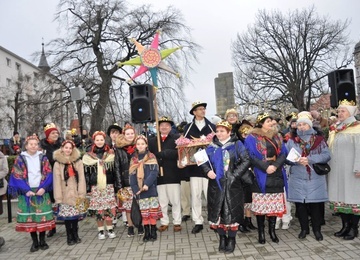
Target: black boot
<point x="146" y="237"/>
<point x="35" y="244"/>
<point x="51" y="232"/>
<point x="353" y="232"/>
<point x="75" y="230"/>
<point x="260" y="219"/>
<point x="345" y="219"/>
<point x="249" y="224"/>
<point x="272" y="223"/>
<point x="153" y="234"/>
<point x="230" y="245"/>
<point x="243" y="229"/>
<point x="223" y="243"/>
<point x="42" y="244"/>
<point x="69" y="233"/>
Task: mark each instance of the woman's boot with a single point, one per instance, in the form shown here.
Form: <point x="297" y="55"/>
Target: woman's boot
<point x="153" y="234"/>
<point x="75" y="229"/>
<point x="230" y="245"/>
<point x="146" y="237"/>
<point x="345" y="219"/>
<point x="272" y="223"/>
<point x="35" y="244"/>
<point x="222" y="244"/>
<point x="42" y="244"/>
<point x="69" y="233"/>
<point x="249" y="224"/>
<point x="353" y="232"/>
<point x="260" y="219"/>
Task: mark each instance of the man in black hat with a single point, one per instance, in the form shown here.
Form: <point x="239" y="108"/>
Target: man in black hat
<point x="200" y="126"/>
<point x="168" y="185"/>
<point x="113" y="132"/>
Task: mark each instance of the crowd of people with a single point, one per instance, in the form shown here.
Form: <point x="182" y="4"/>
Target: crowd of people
<point x="248" y="173"/>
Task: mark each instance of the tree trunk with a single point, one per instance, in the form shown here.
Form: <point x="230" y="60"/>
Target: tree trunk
<point x="98" y="115"/>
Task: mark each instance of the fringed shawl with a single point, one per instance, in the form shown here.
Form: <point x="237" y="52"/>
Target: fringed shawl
<point x="93" y="163"/>
<point x="19" y="182"/>
<point x="255" y="143"/>
<point x="137" y="166"/>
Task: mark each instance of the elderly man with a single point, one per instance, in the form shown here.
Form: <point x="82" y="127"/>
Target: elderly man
<point x="168" y="183"/>
<point x="198" y="181"/>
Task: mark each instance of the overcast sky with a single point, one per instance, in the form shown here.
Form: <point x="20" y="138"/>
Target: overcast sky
<point x="215" y="25"/>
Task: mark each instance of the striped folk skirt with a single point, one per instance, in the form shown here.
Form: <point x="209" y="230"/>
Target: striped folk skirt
<point x="34" y="214"/>
<point x="150" y="208"/>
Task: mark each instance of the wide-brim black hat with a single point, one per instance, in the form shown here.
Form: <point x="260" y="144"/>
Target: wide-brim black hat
<point x="166" y="119"/>
<point x="195" y="105"/>
<point x="114" y="126"/>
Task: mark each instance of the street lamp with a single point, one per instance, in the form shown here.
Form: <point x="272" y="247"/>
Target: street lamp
<point x="78" y="94"/>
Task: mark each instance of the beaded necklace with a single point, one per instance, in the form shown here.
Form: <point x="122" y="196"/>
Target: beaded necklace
<point x="334" y="128"/>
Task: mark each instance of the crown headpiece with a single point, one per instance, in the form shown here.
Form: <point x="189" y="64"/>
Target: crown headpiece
<point x="49" y="126"/>
<point x="98" y="133"/>
<point x="73" y="131"/>
<point x="143" y="137"/>
<point x="126" y="127"/>
<point x="261" y="117"/>
<point x="165" y="119"/>
<point x="306" y="115"/>
<point x="68" y="142"/>
<point x="244" y="129"/>
<point x="293" y="115"/>
<point x="345" y="102"/>
<point x="225" y="124"/>
<point x="31" y="137"/>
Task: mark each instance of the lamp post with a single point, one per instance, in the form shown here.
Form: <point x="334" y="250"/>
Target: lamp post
<point x="78" y="94"/>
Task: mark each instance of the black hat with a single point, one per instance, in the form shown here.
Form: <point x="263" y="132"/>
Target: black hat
<point x="197" y="104"/>
<point x="166" y="119"/>
<point x="113" y="126"/>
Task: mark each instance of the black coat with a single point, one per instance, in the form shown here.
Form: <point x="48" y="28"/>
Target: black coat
<point x="51" y="148"/>
<point x="167" y="159"/>
<point x="191" y="130"/>
<point x="228" y="203"/>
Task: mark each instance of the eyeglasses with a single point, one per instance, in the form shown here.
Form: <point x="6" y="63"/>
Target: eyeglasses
<point x="200" y="109"/>
<point x="232" y="116"/>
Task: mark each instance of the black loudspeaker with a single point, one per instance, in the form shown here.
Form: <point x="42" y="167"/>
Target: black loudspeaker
<point x="141" y="102"/>
<point x="342" y="85"/>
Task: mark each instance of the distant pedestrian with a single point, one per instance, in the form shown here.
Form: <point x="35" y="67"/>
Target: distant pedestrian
<point x="16" y="144"/>
<point x="70" y="189"/>
<point x="143" y="180"/>
<point x="31" y="179"/>
<point x="4" y="171"/>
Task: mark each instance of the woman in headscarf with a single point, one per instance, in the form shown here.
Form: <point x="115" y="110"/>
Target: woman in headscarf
<point x="344" y="178"/>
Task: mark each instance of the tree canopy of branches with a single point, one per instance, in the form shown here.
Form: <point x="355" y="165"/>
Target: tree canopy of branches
<point x="98" y="36"/>
<point x="281" y="55"/>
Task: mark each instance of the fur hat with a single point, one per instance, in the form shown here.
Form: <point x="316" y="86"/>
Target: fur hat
<point x="305" y="117"/>
<point x="197" y="104"/>
<point x="48" y="128"/>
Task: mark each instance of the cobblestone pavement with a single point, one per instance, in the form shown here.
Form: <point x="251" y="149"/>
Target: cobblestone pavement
<point x="181" y="245"/>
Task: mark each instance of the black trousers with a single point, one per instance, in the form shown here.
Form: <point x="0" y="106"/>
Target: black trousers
<point x="314" y="210"/>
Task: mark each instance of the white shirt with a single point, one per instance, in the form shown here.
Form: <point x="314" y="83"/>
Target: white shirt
<point x="34" y="168"/>
<point x="200" y="124"/>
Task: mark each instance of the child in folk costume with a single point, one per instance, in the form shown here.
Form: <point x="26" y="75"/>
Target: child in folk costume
<point x="103" y="182"/>
<point x="143" y="180"/>
<point x="31" y="179"/>
<point x="69" y="188"/>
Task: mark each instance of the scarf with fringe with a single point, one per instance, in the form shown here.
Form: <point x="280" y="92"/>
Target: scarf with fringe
<point x="106" y="163"/>
<point x="137" y="166"/>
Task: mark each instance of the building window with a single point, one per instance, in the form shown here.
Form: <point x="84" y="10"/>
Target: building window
<point x="18" y="66"/>
<point x="27" y="78"/>
<point x="8" y="62"/>
<point x="8" y="83"/>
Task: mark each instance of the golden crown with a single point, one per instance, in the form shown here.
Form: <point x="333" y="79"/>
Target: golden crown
<point x="244" y="129"/>
<point x="293" y="115"/>
<point x="165" y="119"/>
<point x="225" y="124"/>
<point x="73" y="131"/>
<point x="345" y="102"/>
<point x="262" y="116"/>
<point x="231" y="111"/>
<point x="49" y="126"/>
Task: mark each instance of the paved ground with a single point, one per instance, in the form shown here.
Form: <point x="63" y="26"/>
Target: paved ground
<point x="182" y="245"/>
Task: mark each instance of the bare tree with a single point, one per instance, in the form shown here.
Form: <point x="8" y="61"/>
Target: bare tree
<point x="283" y="59"/>
<point x="98" y="36"/>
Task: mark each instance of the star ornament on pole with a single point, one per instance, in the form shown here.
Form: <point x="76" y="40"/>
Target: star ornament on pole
<point x="150" y="59"/>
